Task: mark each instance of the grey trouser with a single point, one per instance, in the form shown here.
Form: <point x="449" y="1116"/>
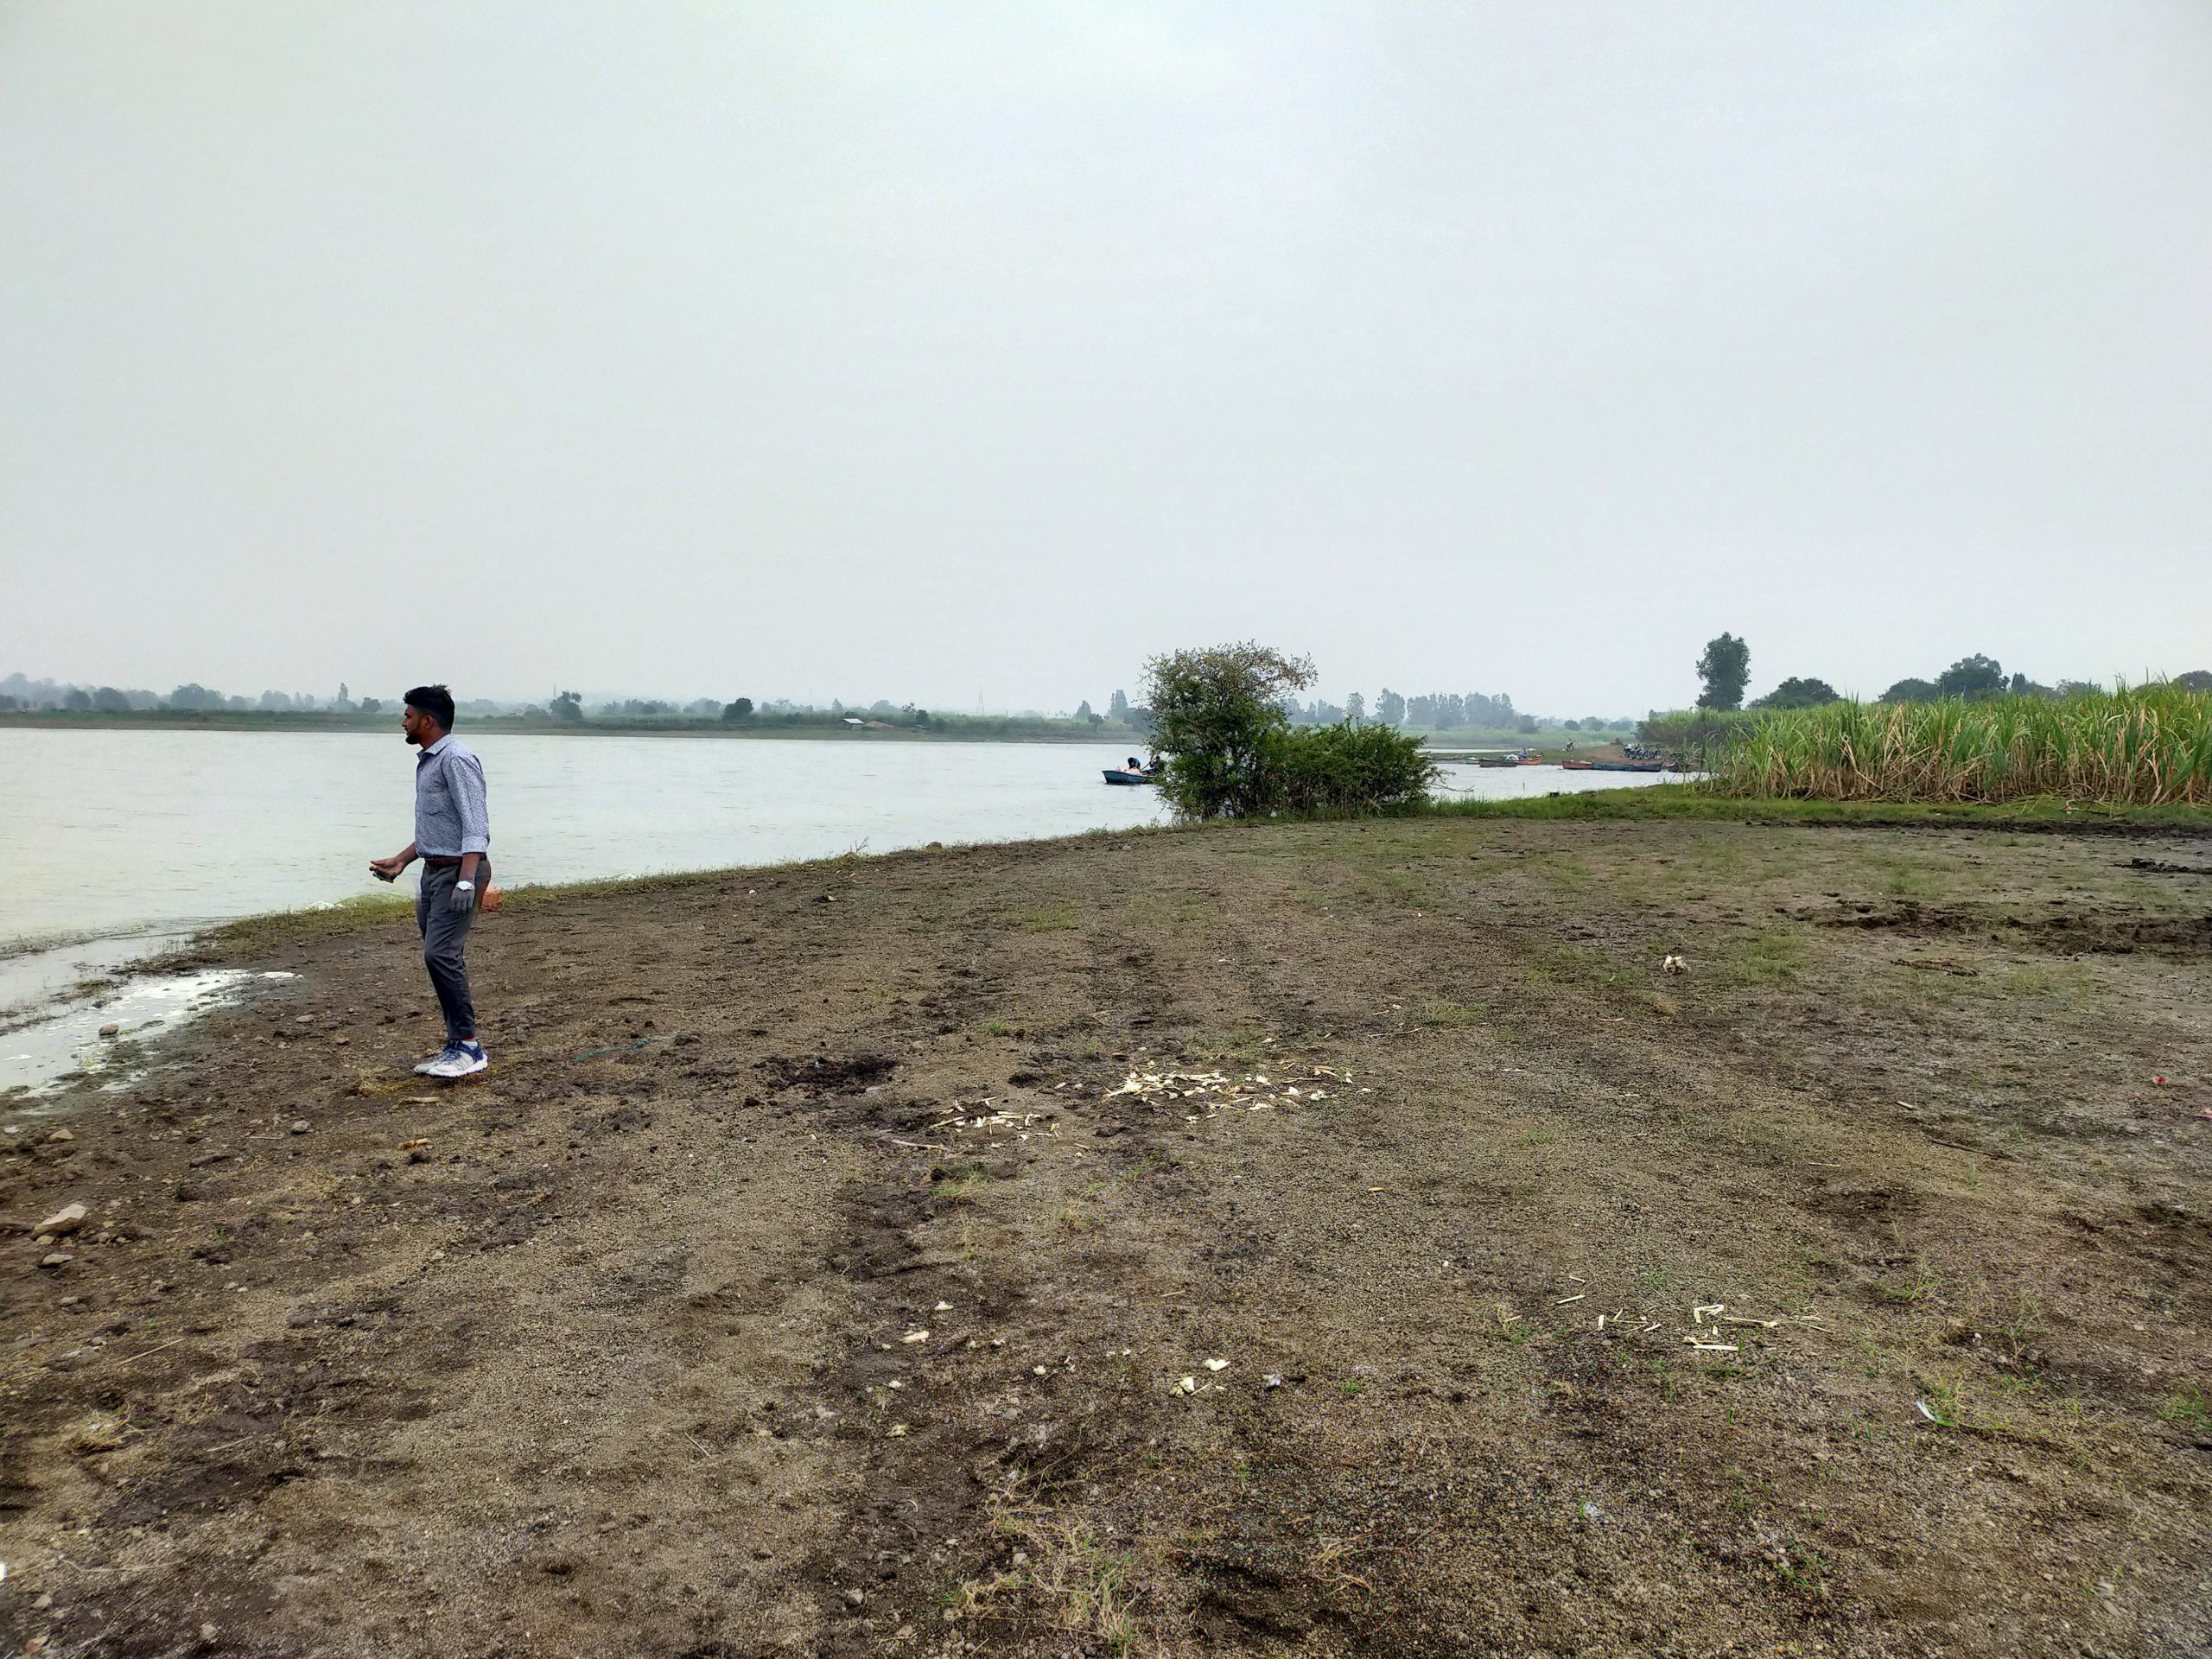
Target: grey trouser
<point x="445" y="931"/>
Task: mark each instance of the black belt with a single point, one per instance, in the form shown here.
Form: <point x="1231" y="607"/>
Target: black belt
<point x="440" y="862"/>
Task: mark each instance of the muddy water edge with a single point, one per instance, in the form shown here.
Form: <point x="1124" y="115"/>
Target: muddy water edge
<point x="836" y="1258"/>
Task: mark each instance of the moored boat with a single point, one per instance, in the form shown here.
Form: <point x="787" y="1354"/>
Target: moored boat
<point x="1116" y="775"/>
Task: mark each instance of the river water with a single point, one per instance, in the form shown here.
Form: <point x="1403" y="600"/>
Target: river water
<point x="117" y="844"/>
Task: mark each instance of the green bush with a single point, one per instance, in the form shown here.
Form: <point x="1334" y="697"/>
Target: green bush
<point x="1229" y="750"/>
<point x="1347" y="767"/>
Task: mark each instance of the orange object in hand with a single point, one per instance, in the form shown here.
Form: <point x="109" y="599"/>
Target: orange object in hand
<point x="493" y="897"/>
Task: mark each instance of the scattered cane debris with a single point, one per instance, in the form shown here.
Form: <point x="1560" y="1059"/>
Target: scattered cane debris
<point x="1210" y="1094"/>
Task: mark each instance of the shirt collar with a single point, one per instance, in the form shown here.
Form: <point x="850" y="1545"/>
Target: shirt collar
<point x="438" y="747"/>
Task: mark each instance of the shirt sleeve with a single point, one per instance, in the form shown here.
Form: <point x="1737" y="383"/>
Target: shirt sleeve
<point x="466" y="783"/>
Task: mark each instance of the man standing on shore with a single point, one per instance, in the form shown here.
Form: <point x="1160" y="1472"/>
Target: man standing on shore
<point x="453" y="838"/>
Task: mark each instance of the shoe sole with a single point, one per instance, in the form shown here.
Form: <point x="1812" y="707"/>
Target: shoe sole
<point x="476" y="1071"/>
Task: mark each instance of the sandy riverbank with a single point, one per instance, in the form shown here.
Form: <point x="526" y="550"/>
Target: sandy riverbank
<point x="805" y="1277"/>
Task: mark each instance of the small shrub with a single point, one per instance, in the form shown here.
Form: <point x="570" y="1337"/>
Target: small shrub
<point x="1346" y="768"/>
<point x="1230" y="750"/>
<point x="1213" y="712"/>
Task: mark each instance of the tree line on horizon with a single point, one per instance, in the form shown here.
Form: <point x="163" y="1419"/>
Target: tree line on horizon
<point x="1724" y="672"/>
<point x="1435" y="711"/>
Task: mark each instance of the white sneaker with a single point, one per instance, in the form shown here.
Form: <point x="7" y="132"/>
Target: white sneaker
<point x="423" y="1068"/>
<point x="462" y="1060"/>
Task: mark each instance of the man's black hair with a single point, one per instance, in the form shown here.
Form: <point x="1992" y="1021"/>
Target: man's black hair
<point x="436" y="701"/>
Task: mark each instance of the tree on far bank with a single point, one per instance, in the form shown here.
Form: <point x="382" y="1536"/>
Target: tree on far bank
<point x="1911" y="690"/>
<point x="736" y="709"/>
<point x="1724" y="669"/>
<point x="1971" y="676"/>
<point x="566" y="706"/>
<point x="1354" y="708"/>
<point x="1117" y="705"/>
<point x="1796" y="693"/>
<point x="2197" y="679"/>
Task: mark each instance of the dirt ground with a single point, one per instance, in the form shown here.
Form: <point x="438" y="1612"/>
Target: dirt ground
<point x="809" y="1276"/>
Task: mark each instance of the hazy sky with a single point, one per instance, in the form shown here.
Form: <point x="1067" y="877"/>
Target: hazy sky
<point x="936" y="352"/>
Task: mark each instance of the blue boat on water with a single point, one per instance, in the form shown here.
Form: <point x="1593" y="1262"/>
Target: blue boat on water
<point x="1116" y="775"/>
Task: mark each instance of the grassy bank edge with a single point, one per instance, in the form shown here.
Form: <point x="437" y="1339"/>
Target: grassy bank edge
<point x="1696" y="802"/>
<point x="367" y="910"/>
<point x="1659" y="803"/>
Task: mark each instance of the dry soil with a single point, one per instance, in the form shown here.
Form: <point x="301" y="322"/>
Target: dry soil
<point x="1317" y="1240"/>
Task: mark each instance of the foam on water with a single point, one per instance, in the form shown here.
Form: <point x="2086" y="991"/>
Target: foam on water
<point x="43" y="1055"/>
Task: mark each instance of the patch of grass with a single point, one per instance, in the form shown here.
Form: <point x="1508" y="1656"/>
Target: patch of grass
<point x="2065" y="981"/>
<point x="1452" y="1016"/>
<point x="1569" y="874"/>
<point x="2187" y="1410"/>
<point x="1911" y="1292"/>
<point x="1904" y="879"/>
<point x="2021" y="1327"/>
<point x="1767" y="955"/>
<point x="1090" y="1594"/>
<point x="1409" y="888"/>
<point x="1053" y="919"/>
<point x="1803" y="1569"/>
<point x="963" y="1184"/>
<point x="1947" y="1399"/>
<point x="362" y="910"/>
<point x="1697" y="803"/>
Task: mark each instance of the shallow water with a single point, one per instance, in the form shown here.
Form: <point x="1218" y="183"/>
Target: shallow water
<point x="75" y="1040"/>
<point x="112" y="832"/>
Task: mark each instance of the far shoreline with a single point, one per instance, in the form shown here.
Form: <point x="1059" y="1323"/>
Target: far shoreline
<point x="1014" y="730"/>
<point x="945" y="728"/>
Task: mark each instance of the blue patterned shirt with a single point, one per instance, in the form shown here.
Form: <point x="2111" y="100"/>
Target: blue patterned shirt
<point x="452" y="813"/>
